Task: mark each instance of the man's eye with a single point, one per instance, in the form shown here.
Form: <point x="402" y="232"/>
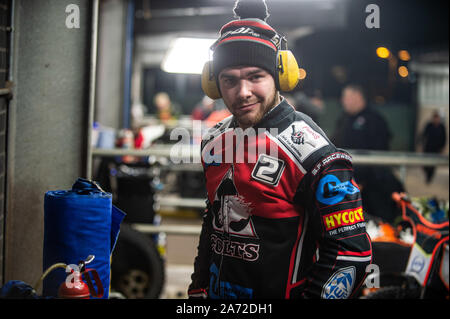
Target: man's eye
<point x="228" y="81"/>
<point x="255" y="77"/>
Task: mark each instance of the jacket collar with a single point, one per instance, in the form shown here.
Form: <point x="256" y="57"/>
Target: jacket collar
<point x="276" y="114"/>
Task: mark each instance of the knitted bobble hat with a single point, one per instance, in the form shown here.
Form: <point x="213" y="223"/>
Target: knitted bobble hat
<point x="248" y="40"/>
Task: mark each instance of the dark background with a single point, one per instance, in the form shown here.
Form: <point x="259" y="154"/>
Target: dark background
<point x="340" y="44"/>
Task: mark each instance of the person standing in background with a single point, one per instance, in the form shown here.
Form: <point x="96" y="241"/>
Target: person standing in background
<point x="166" y="110"/>
<point x="433" y="138"/>
<point x="362" y="128"/>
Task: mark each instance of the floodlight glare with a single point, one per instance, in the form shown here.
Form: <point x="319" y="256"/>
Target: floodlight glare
<point x="187" y="55"/>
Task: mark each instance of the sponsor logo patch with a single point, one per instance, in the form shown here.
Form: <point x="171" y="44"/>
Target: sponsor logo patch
<point x="340" y="284"/>
<point x="417" y="264"/>
<point x="331" y="190"/>
<point x="343" y="218"/>
<point x="302" y="139"/>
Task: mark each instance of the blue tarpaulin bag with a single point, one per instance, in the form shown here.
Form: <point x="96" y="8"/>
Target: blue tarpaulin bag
<point x="78" y="223"/>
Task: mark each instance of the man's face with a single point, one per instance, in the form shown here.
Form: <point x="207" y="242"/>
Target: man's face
<point x="352" y="101"/>
<point x="248" y="92"/>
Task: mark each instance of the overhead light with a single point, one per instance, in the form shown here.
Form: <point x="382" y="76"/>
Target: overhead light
<point x="403" y="71"/>
<point x="404" y="55"/>
<point x="383" y="52"/>
<point x="187" y="55"/>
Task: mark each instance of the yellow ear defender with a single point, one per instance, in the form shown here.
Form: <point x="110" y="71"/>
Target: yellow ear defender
<point x="288" y="72"/>
<point x="209" y="84"/>
<point x="288" y="75"/>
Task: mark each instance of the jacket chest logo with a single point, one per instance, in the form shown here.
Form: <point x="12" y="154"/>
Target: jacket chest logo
<point x="231" y="213"/>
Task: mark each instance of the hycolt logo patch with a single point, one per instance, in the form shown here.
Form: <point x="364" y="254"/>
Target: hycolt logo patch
<point x="268" y="169"/>
<point x="302" y="139"/>
<point x="343" y="218"/>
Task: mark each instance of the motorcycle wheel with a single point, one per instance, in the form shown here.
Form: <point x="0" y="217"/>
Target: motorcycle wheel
<point x="137" y="269"/>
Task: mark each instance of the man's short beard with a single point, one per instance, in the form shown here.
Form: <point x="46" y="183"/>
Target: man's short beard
<point x="275" y="101"/>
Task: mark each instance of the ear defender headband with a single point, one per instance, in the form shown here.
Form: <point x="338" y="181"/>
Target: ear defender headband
<point x="251" y="41"/>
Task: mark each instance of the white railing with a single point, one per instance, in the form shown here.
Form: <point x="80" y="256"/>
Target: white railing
<point x="191" y="155"/>
<point x="192" y="163"/>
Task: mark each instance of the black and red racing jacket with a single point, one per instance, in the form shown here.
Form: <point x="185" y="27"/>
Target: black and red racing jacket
<point x="284" y="216"/>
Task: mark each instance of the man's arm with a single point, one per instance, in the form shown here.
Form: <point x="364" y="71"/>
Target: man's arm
<point x="334" y="207"/>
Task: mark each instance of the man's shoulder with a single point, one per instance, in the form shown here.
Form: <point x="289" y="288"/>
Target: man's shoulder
<point x="216" y="130"/>
<point x="303" y="140"/>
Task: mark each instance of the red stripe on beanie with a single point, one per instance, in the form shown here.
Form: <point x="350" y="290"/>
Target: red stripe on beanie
<point x="250" y="23"/>
<point x="251" y="39"/>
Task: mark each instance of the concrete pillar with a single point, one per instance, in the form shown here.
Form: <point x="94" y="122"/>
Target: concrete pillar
<point x="110" y="71"/>
<point x="48" y="117"/>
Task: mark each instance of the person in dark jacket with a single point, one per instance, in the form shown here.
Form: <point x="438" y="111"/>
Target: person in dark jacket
<point x="434" y="138"/>
<point x="360" y="127"/>
<point x="363" y="128"/>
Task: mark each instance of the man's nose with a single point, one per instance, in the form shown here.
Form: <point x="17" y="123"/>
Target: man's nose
<point x="244" y="90"/>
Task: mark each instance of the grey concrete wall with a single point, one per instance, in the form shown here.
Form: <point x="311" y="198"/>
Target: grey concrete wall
<point x="47" y="123"/>
<point x="110" y="70"/>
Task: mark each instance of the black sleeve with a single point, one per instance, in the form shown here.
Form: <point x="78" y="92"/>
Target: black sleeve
<point x="200" y="277"/>
<point x="379" y="133"/>
<point x="343" y="248"/>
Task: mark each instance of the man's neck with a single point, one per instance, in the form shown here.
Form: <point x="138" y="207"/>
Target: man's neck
<point x="359" y="111"/>
<point x="276" y="102"/>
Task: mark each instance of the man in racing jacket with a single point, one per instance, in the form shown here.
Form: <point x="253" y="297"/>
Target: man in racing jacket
<point x="284" y="216"/>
